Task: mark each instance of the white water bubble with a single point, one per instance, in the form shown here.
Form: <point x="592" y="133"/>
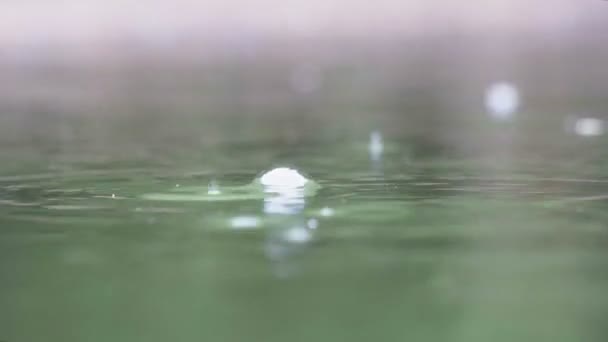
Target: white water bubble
<point x="283" y="178"/>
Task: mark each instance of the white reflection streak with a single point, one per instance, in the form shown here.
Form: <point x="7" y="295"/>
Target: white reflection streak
<point x="285" y="201"/>
<point x="244" y="222"/>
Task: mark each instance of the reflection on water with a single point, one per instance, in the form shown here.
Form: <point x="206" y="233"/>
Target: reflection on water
<point x="285" y="201"/>
<point x="459" y="230"/>
<point x="433" y="253"/>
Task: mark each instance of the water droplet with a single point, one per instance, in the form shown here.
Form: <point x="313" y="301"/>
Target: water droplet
<point x="502" y="100"/>
<point x="376" y="145"/>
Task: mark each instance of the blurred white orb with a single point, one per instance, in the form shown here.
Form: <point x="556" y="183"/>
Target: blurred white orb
<point x="502" y="100"/>
<point x="283" y="177"/>
<point x="589" y="127"/>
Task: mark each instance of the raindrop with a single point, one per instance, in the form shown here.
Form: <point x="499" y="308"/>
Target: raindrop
<point x="502" y="100"/>
<point x="376" y="145"/>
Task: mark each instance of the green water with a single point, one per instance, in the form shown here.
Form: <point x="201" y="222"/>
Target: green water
<point x="416" y="245"/>
<point x="465" y="228"/>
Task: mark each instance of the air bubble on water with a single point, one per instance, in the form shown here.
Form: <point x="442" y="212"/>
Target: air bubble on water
<point x="283" y="178"/>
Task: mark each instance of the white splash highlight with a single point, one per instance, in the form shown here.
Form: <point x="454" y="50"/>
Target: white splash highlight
<point x="283" y="178"/>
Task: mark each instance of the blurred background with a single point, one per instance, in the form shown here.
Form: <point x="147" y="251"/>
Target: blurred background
<point x="280" y="70"/>
<point x="459" y="148"/>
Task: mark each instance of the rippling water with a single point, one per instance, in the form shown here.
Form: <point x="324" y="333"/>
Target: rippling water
<point x="410" y="244"/>
<point x="451" y="203"/>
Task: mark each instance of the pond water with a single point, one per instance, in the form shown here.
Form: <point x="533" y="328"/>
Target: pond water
<point x="426" y="222"/>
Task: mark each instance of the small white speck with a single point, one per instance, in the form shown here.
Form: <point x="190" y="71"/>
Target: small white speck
<point x="244" y="222"/>
<point x="297" y="235"/>
<point x="312" y="223"/>
<point x="327" y="212"/>
<point x="214" y="189"/>
<point x="177" y="185"/>
<point x="113" y="195"/>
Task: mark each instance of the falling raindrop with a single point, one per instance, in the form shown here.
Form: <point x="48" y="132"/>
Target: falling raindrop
<point x="502" y="100"/>
<point x="376" y="145"/>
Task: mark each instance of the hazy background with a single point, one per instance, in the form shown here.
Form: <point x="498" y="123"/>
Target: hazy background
<point x="122" y="76"/>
